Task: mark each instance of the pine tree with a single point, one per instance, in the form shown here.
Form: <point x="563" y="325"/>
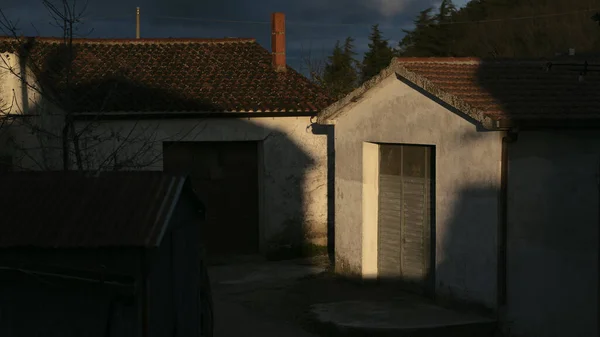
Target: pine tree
<point x="340" y="75"/>
<point x="444" y="29"/>
<point x="414" y="40"/>
<point x="432" y="35"/>
<point x="446" y="11"/>
<point x="377" y="57"/>
<point x="486" y="30"/>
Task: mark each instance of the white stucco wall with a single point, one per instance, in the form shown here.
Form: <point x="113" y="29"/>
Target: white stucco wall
<point x="17" y="96"/>
<point x="25" y="98"/>
<point x="294" y="155"/>
<point x="294" y="163"/>
<point x="553" y="234"/>
<point x="467" y="183"/>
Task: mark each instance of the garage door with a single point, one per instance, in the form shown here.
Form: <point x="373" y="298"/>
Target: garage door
<point x="404" y="228"/>
<point x="225" y="176"/>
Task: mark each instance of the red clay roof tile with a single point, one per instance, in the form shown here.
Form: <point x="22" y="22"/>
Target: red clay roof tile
<point x="514" y="89"/>
<point x="156" y="75"/>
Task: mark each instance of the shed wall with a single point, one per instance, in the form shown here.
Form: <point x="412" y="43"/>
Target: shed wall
<point x="553" y="233"/>
<point x="174" y="278"/>
<point x="467" y="181"/>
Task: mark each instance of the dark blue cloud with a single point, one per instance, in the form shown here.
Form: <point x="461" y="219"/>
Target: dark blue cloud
<point x="312" y="25"/>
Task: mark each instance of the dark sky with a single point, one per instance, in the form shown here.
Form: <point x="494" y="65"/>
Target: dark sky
<point x="312" y="26"/>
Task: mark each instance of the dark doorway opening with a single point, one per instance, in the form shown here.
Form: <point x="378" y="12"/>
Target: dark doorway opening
<point x="225" y="177"/>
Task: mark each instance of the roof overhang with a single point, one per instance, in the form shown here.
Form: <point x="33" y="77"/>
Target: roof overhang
<point x="331" y="113"/>
<point x="132" y="115"/>
<point x="328" y="115"/>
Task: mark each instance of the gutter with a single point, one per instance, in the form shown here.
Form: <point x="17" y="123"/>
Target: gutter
<point x="501" y="282"/>
<point x="109" y="116"/>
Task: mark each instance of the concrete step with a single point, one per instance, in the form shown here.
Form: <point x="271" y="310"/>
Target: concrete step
<point x="397" y="318"/>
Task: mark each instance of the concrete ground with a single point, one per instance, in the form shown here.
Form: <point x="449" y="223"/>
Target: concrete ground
<point x="244" y="293"/>
<point x="399" y="317"/>
<point x="235" y="320"/>
<point x="301" y="298"/>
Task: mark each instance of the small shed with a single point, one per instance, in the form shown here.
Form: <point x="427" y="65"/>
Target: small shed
<point x="111" y="254"/>
<point x="475" y="181"/>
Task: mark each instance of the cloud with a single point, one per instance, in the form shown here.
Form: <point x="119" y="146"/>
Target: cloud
<point x="312" y="25"/>
<point x="389" y="8"/>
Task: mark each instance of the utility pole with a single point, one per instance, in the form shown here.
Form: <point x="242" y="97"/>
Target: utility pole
<point x="137" y="22"/>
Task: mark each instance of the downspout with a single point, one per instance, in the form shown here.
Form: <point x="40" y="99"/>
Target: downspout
<point x="509" y="137"/>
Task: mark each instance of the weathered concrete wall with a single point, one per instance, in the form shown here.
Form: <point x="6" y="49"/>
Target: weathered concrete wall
<point x="293" y="164"/>
<point x="553" y="233"/>
<point x="467" y="182"/>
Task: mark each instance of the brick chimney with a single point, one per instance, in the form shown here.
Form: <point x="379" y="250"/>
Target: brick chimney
<point x="278" y="41"/>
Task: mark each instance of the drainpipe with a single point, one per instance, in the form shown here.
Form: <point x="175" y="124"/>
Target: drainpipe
<point x="510" y="137"/>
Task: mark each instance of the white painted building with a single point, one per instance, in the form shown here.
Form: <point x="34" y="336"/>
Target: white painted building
<point x="475" y="182"/>
<point x="227" y="111"/>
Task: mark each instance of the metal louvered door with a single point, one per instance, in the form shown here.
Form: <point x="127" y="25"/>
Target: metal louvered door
<point x="404" y="228"/>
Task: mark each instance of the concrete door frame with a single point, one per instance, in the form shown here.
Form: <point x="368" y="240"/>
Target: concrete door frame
<point x="370" y="209"/>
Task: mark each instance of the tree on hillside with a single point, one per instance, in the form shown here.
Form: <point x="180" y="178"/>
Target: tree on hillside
<point x="38" y="119"/>
<point x="504" y="28"/>
<point x="433" y="34"/>
<point x="446" y="10"/>
<point x="444" y="29"/>
<point x="340" y="76"/>
<point x="422" y="38"/>
<point x="377" y="57"/>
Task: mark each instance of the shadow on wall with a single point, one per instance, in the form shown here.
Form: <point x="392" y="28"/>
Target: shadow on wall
<point x="548" y="277"/>
<point x="251" y="176"/>
<point x="319" y="129"/>
<point x="464" y="261"/>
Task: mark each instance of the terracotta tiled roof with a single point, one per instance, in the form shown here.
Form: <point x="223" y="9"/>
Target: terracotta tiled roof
<point x="496" y="90"/>
<point x="69" y="210"/>
<point x="156" y="75"/>
<point x="514" y="89"/>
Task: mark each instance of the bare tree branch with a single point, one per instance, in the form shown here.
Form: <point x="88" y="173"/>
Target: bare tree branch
<point x="49" y="112"/>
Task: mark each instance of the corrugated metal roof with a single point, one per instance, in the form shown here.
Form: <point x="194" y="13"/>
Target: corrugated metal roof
<point x="71" y="210"/>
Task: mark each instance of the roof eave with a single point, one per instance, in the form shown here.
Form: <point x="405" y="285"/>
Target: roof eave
<point x="450" y="99"/>
<point x="328" y="115"/>
<point x="126" y="115"/>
